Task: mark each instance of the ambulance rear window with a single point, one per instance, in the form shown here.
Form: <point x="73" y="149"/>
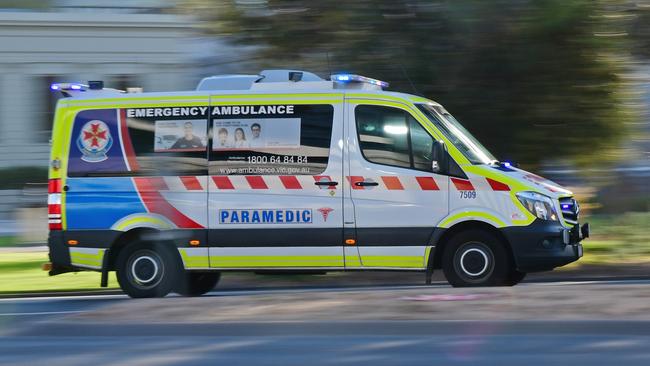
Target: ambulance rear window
<point x="142" y="141"/>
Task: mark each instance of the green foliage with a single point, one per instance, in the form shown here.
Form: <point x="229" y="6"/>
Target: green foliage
<point x="24" y="4"/>
<point x="7" y="241"/>
<point x="618" y="238"/>
<point x="531" y="79"/>
<point x="16" y="178"/>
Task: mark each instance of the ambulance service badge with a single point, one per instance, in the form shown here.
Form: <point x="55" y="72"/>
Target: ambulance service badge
<point x="94" y="141"/>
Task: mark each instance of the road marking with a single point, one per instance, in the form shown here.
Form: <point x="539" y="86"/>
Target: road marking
<point x="44" y="313"/>
<point x="592" y="282"/>
<point x="68" y="297"/>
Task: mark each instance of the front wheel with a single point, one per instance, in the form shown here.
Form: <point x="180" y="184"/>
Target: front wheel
<point x="476" y="258"/>
<point x="146" y="269"/>
<point x="197" y="283"/>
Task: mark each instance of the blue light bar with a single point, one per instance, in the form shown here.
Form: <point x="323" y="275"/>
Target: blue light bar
<point x="68" y="87"/>
<point x="344" y="78"/>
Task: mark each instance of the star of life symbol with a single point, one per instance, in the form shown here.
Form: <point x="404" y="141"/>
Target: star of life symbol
<point x="94" y="141"/>
<point x="325" y="211"/>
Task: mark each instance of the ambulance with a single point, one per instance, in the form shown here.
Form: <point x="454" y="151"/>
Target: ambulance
<point x="285" y="171"/>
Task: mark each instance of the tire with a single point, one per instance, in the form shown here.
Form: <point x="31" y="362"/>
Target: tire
<point x="146" y="269"/>
<point x="514" y="277"/>
<point x="197" y="283"/>
<point x="476" y="258"/>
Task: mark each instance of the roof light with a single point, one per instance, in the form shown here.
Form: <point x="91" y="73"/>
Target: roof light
<point x="64" y="87"/>
<point x="75" y="89"/>
<point x="358" y="78"/>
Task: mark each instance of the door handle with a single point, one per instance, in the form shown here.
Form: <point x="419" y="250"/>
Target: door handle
<point x="365" y="184"/>
<point x="326" y="183"/>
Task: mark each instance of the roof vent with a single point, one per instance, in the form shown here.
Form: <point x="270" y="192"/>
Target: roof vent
<point x="228" y="82"/>
<point x="246" y="82"/>
<point x="279" y="76"/>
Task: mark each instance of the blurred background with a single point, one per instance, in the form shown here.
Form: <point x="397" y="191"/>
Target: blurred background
<point x="560" y="86"/>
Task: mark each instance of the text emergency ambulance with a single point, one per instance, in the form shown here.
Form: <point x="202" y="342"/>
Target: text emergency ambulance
<point x="286" y="171"/>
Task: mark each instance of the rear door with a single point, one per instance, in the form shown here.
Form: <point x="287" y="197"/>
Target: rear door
<point x="140" y="166"/>
<point x="397" y="199"/>
<point x="275" y="182"/>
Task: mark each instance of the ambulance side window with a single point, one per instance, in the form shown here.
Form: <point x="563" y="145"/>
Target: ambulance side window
<point x="271" y="139"/>
<point x="391" y="136"/>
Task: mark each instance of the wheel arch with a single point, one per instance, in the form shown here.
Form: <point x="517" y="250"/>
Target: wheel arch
<point x="133" y="235"/>
<point x="435" y="256"/>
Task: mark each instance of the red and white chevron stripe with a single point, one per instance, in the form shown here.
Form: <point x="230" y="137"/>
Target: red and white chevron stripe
<point x="307" y="182"/>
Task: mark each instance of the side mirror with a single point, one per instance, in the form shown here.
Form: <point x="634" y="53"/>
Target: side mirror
<point x="439" y="157"/>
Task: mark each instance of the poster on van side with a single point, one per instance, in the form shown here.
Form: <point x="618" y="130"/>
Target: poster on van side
<point x="260" y="133"/>
<point x="180" y="135"/>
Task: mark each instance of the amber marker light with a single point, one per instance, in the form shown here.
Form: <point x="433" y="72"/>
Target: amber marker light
<point x="350" y="241"/>
<point x="72" y="242"/>
<point x="195" y="242"/>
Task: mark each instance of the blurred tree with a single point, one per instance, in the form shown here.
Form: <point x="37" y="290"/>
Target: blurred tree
<point x="531" y="79"/>
<point x="24" y="4"/>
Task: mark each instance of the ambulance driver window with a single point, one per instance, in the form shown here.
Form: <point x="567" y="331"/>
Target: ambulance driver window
<point x="384" y="135"/>
<point x="421" y="146"/>
<point x="270" y="139"/>
<point x="391" y="136"/>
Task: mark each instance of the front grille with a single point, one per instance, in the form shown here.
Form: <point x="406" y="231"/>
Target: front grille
<point x="570" y="209"/>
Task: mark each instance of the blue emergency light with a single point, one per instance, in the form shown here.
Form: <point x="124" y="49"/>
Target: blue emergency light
<point x="68" y="86"/>
<point x="346" y="78"/>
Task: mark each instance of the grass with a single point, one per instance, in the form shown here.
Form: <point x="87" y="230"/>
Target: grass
<point x="618" y="239"/>
<point x="21" y="272"/>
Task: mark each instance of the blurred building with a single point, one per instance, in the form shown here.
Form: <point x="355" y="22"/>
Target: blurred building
<point x="123" y="42"/>
<point x="138" y="43"/>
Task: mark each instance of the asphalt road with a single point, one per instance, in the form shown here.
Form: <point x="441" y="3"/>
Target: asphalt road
<point x="602" y="323"/>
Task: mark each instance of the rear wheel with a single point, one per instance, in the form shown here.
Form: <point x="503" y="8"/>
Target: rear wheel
<point x="197" y="283"/>
<point x="146" y="269"/>
<point x="476" y="258"/>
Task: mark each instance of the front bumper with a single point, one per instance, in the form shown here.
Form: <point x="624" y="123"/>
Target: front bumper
<point x="544" y="245"/>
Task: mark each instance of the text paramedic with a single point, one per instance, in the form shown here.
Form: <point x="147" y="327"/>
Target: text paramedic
<point x="288" y="216"/>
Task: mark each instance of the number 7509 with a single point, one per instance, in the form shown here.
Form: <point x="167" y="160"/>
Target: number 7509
<point x="468" y="194"/>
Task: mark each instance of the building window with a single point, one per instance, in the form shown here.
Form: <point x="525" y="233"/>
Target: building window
<point x="46" y="107"/>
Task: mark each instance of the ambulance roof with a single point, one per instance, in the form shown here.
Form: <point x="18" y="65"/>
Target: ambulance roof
<point x="267" y="82"/>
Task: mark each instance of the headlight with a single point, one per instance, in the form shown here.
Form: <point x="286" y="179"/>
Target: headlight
<point x="538" y="204"/>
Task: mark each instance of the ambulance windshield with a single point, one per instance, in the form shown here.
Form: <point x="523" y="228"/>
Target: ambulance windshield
<point x="457" y="134"/>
